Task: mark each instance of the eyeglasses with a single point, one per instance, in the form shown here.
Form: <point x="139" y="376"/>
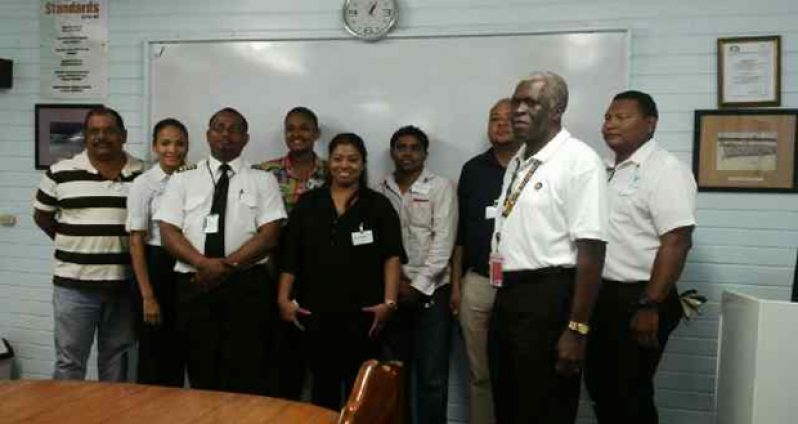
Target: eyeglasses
<point x="232" y="129"/>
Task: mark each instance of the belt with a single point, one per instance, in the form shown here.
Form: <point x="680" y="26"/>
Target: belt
<point x="531" y="275"/>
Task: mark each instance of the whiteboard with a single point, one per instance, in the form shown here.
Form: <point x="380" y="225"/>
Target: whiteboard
<point x="444" y="85"/>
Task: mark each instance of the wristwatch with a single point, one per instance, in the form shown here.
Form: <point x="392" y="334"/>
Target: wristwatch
<point x="646" y="302"/>
<point x="391" y="304"/>
<point x="579" y="328"/>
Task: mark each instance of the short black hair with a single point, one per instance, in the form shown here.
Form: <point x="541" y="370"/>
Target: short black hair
<point x="168" y="122"/>
<point x="644" y="101"/>
<point x="412" y="131"/>
<point x="105" y="111"/>
<point x="307" y="113"/>
<point x="228" y="109"/>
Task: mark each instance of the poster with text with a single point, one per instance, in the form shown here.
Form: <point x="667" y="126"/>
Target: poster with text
<point x="74" y="49"/>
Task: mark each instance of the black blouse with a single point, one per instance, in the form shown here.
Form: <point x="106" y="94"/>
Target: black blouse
<point x="333" y="275"/>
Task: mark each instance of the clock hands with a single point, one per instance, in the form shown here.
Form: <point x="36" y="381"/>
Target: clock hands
<point x="371" y="9"/>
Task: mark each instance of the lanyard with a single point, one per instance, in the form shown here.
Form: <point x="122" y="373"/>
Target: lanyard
<point x="510" y="199"/>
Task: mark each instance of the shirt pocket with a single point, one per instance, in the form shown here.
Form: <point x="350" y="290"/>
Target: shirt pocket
<point x="419" y="212"/>
<point x="247" y="210"/>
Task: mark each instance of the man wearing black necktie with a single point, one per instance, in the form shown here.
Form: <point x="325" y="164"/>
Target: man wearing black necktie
<point x="221" y="219"/>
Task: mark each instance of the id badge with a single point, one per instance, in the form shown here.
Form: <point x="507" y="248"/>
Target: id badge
<point x="496" y="270"/>
<point x="362" y="237"/>
<point x="211" y="224"/>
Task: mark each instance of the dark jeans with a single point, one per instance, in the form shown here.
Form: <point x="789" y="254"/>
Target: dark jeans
<point x="225" y="331"/>
<point x="619" y="372"/>
<point x="336" y="344"/>
<point x="420" y="336"/>
<point x="161" y="350"/>
<point x="531" y="313"/>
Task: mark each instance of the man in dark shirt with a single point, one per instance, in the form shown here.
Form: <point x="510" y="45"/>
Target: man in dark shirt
<point x="472" y="296"/>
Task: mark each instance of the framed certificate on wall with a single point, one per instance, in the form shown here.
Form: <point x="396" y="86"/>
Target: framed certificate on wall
<point x="746" y="150"/>
<point x="749" y="71"/>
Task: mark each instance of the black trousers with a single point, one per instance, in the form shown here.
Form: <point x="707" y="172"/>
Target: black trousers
<point x="336" y="344"/>
<point x="619" y="372"/>
<point x="531" y="312"/>
<point x="226" y="331"/>
<point x="161" y="350"/>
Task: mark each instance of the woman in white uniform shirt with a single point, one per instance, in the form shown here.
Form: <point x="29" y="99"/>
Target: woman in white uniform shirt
<point x="161" y="358"/>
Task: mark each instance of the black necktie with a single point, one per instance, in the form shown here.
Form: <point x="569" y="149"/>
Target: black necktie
<point x="214" y="242"/>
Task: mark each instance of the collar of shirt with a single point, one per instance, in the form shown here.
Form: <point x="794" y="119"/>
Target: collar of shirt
<point x="132" y="165"/>
<point x="638" y="157"/>
<point x="318" y="168"/>
<point x="158" y="174"/>
<point x="420" y="185"/>
<point x="235" y="166"/>
<point x="489" y="158"/>
<point x="543" y="155"/>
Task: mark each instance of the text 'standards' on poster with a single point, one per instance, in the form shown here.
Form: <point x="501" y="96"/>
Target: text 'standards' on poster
<point x="74" y="49"/>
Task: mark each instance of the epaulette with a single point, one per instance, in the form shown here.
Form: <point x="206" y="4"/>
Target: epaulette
<point x="259" y="167"/>
<point x="187" y="168"/>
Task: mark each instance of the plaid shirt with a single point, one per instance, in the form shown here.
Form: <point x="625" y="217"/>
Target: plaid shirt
<point x="291" y="186"/>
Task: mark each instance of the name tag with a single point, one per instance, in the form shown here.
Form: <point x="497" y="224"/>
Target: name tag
<point x="362" y="237"/>
<point x="421" y="188"/>
<point x="491" y="212"/>
<point x="211" y="224"/>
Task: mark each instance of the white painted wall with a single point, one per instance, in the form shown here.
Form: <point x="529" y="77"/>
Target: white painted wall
<point x="746" y="242"/>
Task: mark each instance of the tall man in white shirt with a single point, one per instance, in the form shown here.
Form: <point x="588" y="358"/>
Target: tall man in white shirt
<point x="652" y="215"/>
<point x="221" y="218"/>
<point x="547" y="254"/>
<point x="427" y="209"/>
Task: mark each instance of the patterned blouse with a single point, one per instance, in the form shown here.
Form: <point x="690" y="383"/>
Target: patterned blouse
<point x="291" y="186"/>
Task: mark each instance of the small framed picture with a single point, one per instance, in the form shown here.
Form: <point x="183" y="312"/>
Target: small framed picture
<point x="746" y="150"/>
<point x="59" y="131"/>
<point x="749" y="71"/>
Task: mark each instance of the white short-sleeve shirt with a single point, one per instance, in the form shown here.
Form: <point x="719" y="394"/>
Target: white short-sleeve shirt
<point x="143" y="201"/>
<point x="650" y="194"/>
<point x="565" y="200"/>
<point x="253" y="199"/>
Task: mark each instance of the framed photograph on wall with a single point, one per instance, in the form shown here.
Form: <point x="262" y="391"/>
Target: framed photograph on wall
<point x="746" y="150"/>
<point x="59" y="131"/>
<point x="749" y="71"/>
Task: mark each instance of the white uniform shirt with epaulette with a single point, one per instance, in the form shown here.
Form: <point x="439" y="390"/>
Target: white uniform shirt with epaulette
<point x="428" y="214"/>
<point x="253" y="200"/>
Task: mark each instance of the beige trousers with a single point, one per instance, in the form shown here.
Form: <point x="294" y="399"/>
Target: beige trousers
<point x="475" y="308"/>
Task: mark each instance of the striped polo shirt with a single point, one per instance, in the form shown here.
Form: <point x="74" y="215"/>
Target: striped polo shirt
<point x="91" y="244"/>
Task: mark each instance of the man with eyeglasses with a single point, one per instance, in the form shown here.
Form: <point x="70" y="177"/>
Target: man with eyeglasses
<point x="81" y="205"/>
<point x="221" y="219"/>
<point x="427" y="208"/>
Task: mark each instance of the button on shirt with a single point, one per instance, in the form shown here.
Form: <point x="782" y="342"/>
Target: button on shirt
<point x="479" y="188"/>
<point x="650" y="194"/>
<point x="144" y="200"/>
<point x="428" y="214"/>
<point x="564" y="201"/>
<point x="253" y="200"/>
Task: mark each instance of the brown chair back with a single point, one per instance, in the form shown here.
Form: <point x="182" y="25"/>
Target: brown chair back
<point x="377" y="396"/>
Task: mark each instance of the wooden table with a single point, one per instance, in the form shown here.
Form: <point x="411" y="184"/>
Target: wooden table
<point x="46" y="401"/>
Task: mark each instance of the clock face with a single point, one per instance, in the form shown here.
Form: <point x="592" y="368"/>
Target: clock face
<point x="369" y="19"/>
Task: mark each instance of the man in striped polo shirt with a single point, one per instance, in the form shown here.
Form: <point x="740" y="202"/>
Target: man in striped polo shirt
<point x="81" y="205"/>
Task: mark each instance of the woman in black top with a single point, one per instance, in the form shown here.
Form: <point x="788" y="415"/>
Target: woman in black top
<point x="343" y="251"/>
